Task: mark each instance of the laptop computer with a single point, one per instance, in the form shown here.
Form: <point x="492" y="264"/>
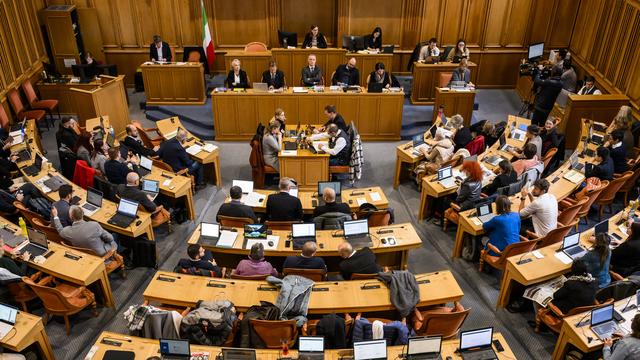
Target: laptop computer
<point x="94" y="202"/>
<point x="484" y="212"/>
<point x="260" y="87"/>
<point x="417" y="141"/>
<point x="445" y="177"/>
<point x="335" y="185"/>
<point x="145" y="166"/>
<point x="8" y="316"/>
<point x="375" y="87"/>
<point x="301" y="233"/>
<point x="238" y="354"/>
<point x="602" y="322"/>
<point x="370" y="350"/>
<point x="311" y="348"/>
<point x="18" y="126"/>
<point x="24" y="154"/>
<point x="601" y="227"/>
<point x="34" y="168"/>
<point x="388" y="49"/>
<point x="575" y="163"/>
<point x="125" y="214"/>
<point x="424" y="348"/>
<point x="246" y="186"/>
<point x="255" y="231"/>
<point x="54" y="183"/>
<point x="151" y="188"/>
<point x="36" y="243"/>
<point x="11" y="239"/>
<point x="571" y="246"/>
<point x="175" y="349"/>
<point x="476" y="344"/>
<point x="356" y="232"/>
<point x="458" y="84"/>
<point x="503" y="143"/>
<point x="597" y="139"/>
<point x="290" y="145"/>
<point x="209" y="233"/>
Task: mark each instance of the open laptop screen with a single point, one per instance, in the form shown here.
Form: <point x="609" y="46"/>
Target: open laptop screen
<point x="8" y="314"/>
<point x="335" y="185"/>
<point x="356" y="227"/>
<point x="174" y="347"/>
<point x="484" y="209"/>
<point x="570" y="240"/>
<point x="303" y="230"/>
<point x="246" y="186"/>
<point x="128" y="207"/>
<point x="151" y="186"/>
<point x="444" y="173"/>
<point x="311" y="344"/>
<point x="211" y="230"/>
<point x="602" y="227"/>
<point x="476" y="338"/>
<point x="424" y="345"/>
<point x="601" y="315"/>
<point x="94" y="197"/>
<point x="364" y="350"/>
<point x="146" y="163"/>
<point x="37" y="237"/>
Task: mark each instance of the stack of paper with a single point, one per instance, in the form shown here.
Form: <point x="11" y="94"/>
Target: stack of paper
<point x="171" y="135"/>
<point x="194" y="149"/>
<point x="574" y="176"/>
<point x="227" y="239"/>
<point x="254" y="199"/>
<point x="375" y="196"/>
<point x="17" y="137"/>
<point x="316" y="144"/>
<point x="300" y="89"/>
<point x="209" y="147"/>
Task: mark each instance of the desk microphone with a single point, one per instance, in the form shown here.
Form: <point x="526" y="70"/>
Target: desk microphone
<point x="370" y="286"/>
<point x="522" y="260"/>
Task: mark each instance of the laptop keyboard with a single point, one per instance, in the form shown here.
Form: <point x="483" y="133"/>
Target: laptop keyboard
<point x="448" y="182"/>
<point x="33" y="250"/>
<point x="120" y="220"/>
<point x="579" y="166"/>
<point x="89" y="207"/>
<point x="573" y="251"/>
<point x="485" y="218"/>
<point x="488" y="354"/>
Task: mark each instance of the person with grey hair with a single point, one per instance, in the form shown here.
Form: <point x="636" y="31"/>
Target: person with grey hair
<point x="441" y="151"/>
<point x="256" y="264"/>
<point x="159" y="50"/>
<point x="306" y="260"/>
<point x="362" y="261"/>
<point x="283" y="206"/>
<point x="84" y="234"/>
<point x="237" y="78"/>
<point x="330" y="204"/>
<point x="462" y="134"/>
<point x="174" y="154"/>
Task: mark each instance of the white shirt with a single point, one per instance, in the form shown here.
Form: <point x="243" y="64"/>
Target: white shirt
<point x="425" y="52"/>
<point x="236" y="78"/>
<point x="584" y="89"/>
<point x="339" y="145"/>
<point x="159" y="51"/>
<point x="544" y="213"/>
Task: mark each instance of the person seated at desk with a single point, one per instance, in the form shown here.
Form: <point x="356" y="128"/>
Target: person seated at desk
<point x="362" y="261"/>
<point x="311" y="74"/>
<point x="332" y="118"/>
<point x="589" y="87"/>
<point x="237" y="78"/>
<point x="273" y="77"/>
<point x="84" y="148"/>
<point x="89" y="59"/>
<point x="330" y="204"/>
<point x="429" y="52"/>
<point x="460" y="52"/>
<point x="314" y="39"/>
<point x="532" y="136"/>
<point x="505" y="177"/>
<point x="602" y="167"/>
<point x="543" y="210"/>
<point x="627" y="348"/>
<point x="66" y="134"/>
<point x="173" y="153"/>
<point x="200" y="262"/>
<point x="100" y="155"/>
<point x="380" y="76"/>
<point x="598" y="258"/>
<point x="347" y="75"/>
<point x="530" y="160"/>
<point x="374" y="41"/>
<point x="616" y="152"/>
<point x="65" y="192"/>
<point x="132" y="142"/>
<point x="623" y="121"/>
<point x="503" y="230"/>
<point x="568" y="78"/>
<point x="462" y="134"/>
<point x="307" y="258"/>
<point x="280" y="117"/>
<point x="235" y="207"/>
<point x="549" y="135"/>
<point x="441" y="151"/>
<point x="22" y="193"/>
<point x="625" y="258"/>
<point x="84" y="234"/>
<point x="256" y="264"/>
<point x="272" y="144"/>
<point x="115" y="169"/>
<point x="283" y="206"/>
<point x="131" y="190"/>
<point x="339" y="147"/>
<point x="489" y="133"/>
<point x="159" y="50"/>
<point x="467" y="194"/>
<point x="18" y="269"/>
<point x="462" y="73"/>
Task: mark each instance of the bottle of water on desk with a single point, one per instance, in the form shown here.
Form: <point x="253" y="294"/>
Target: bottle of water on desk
<point x="23" y="226"/>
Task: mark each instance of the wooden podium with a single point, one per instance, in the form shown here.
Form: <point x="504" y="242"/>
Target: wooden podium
<point x="174" y="83"/>
<point x="426" y="77"/>
<point x="108" y="98"/>
<point x="455" y="102"/>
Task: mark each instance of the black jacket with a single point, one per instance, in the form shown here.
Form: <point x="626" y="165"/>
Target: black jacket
<point x="362" y="262"/>
<point x="549" y="90"/>
<point x="204" y="263"/>
<point x="462" y="138"/>
<point x="116" y="171"/>
<point x="301" y="262"/>
<point x="619" y="157"/>
<point x="236" y="209"/>
<point x="174" y="154"/>
<point x="468" y="194"/>
<point x="322" y="41"/>
<point x="372" y="43"/>
<point x="389" y="79"/>
<point x="277" y="82"/>
<point x="501" y="180"/>
<point x="338" y="120"/>
<point x="137" y="195"/>
<point x="68" y="138"/>
<point x="625" y="259"/>
<point x="332" y="207"/>
<point x="311" y="78"/>
<point x="137" y="147"/>
<point x="283" y="207"/>
<point x="602" y="171"/>
<point x="166" y="52"/>
<point x="346" y="76"/>
<point x="575" y="293"/>
<point x="244" y="80"/>
<point x="549" y="140"/>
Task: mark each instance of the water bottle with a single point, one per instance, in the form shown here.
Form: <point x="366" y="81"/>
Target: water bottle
<point x="284" y="43"/>
<point x="112" y="132"/>
<point x="23" y="226"/>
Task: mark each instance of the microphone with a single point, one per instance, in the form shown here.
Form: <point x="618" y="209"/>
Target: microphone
<point x="522" y="260"/>
<point x="370" y="286"/>
<point x="629" y="307"/>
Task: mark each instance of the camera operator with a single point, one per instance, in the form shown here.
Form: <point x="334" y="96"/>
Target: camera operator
<point x="569" y="78"/>
<point x="548" y="90"/>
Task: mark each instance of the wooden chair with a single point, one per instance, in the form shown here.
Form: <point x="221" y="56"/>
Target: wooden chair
<point x="255" y="46"/>
<point x="184" y="172"/>
<point x="500" y="262"/>
<point x="629" y="185"/>
<point x="247" y="277"/>
<point x="357" y="276"/>
<point x="22" y="293"/>
<point x="376" y="218"/>
<point x="4" y="118"/>
<point x="570" y="213"/>
<point x="445" y="79"/>
<point x="553" y="317"/>
<point x="230" y="221"/>
<point x="554" y="236"/>
<point x="259" y="169"/>
<point x="311" y="274"/>
<point x="150" y="136"/>
<point x="546" y="159"/>
<point x="333" y="74"/>
<point x="448" y="218"/>
<point x="444" y="321"/>
<point x="115" y="260"/>
<point x="47" y="229"/>
<point x="274" y="332"/>
<point x="608" y="196"/>
<point x="161" y="216"/>
<point x="37" y="104"/>
<point x="63" y="299"/>
<point x="591" y="196"/>
<point x="21" y="112"/>
<point x="28" y="214"/>
<point x="281" y="225"/>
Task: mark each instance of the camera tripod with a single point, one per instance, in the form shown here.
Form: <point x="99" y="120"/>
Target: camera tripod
<point x="526" y="109"/>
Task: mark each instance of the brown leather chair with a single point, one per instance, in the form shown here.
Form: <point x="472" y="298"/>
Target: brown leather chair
<point x="554" y="236"/>
<point x="255" y="46"/>
<point x="248" y="277"/>
<point x="500" y="262"/>
<point x="591" y="195"/>
<point x="51" y="232"/>
<point x="62" y="300"/>
<point x="37" y="104"/>
<point x="445" y="79"/>
<point x="311" y="274"/>
<point x="21" y="112"/>
<point x="444" y="321"/>
<point x="376" y="218"/>
<point x="22" y="293"/>
<point x="150" y="136"/>
<point x="258" y="168"/>
<point x="570" y="213"/>
<point x="161" y="216"/>
<point x="281" y="225"/>
<point x="116" y="261"/>
<point x="4" y="118"/>
<point x="608" y="196"/>
<point x="546" y="159"/>
<point x="357" y="276"/>
<point x="553" y="317"/>
<point x="230" y="221"/>
<point x="274" y="332"/>
<point x="451" y="216"/>
<point x="28" y="214"/>
<point x="629" y="185"/>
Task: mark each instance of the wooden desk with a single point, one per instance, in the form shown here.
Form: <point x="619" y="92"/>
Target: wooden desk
<point x="366" y="63"/>
<point x="378" y="116"/>
<point x="146" y="348"/>
<point x="341" y="296"/>
<point x="305" y="167"/>
<point x="28" y="330"/>
<point x="174" y="83"/>
<point x="62" y="92"/>
<point x="455" y="102"/>
<point x="396" y="256"/>
<point x="291" y="61"/>
<point x="209" y="160"/>
<point x="426" y="77"/>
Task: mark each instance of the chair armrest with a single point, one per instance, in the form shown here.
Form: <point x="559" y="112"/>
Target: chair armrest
<point x="566" y="202"/>
<point x="531" y="235"/>
<point x="455" y="207"/>
<point x="494" y="249"/>
<point x="554" y="309"/>
<point x="46" y="280"/>
<point x="158" y="209"/>
<point x="616" y="175"/>
<point x="522" y="238"/>
<point x="183" y="171"/>
<point x="108" y="254"/>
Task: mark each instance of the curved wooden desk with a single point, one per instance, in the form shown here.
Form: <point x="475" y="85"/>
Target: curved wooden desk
<point x="28" y="330"/>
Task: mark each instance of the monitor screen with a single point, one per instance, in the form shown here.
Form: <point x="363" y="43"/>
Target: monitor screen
<point x="424" y="345"/>
<point x="356" y="227"/>
<point x="174" y="347"/>
<point x="8" y="313"/>
<point x="290" y="37"/>
<point x="37" y="237"/>
<point x="238" y="354"/>
<point x="150" y="185"/>
<point x="255" y="231"/>
<point x="246" y="186"/>
<point x="570" y="240"/>
<point x="536" y="50"/>
<point x="602" y="314"/>
<point x="484" y="209"/>
<point x="207" y="229"/>
<point x="128" y="207"/>
<point x="311" y="343"/>
<point x="303" y="230"/>
<point x="335" y="185"/>
<point x="365" y="350"/>
<point x="502" y="139"/>
<point x="38" y="161"/>
<point x="146" y="163"/>
<point x="94" y="197"/>
<point x="602" y="227"/>
<point x="475" y="338"/>
<point x="418" y="140"/>
<point x="444" y="173"/>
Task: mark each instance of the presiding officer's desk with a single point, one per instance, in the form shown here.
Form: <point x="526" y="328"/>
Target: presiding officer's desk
<point x="377" y="116"/>
<point x="395" y="256"/>
<point x="28" y="330"/>
<point x="61" y="91"/>
<point x="426" y="77"/>
<point x="146" y="348"/>
<point x="326" y="298"/>
<point x="180" y="83"/>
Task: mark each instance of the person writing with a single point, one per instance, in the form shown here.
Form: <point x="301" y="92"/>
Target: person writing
<point x="273" y="77"/>
<point x="460" y="52"/>
<point x="429" y="52"/>
<point x="462" y="73"/>
<point x="347" y="75"/>
<point x="159" y="50"/>
<point x="339" y="146"/>
<point x="272" y="144"/>
<point x="379" y="75"/>
<point x="237" y="78"/>
<point x="314" y="39"/>
<point x="374" y="41"/>
<point x="311" y="74"/>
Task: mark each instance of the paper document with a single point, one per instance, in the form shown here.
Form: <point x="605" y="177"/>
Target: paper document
<point x="254" y="199"/>
<point x="361" y="201"/>
<point x="335" y="88"/>
<point x="166" y="182"/>
<point x="520" y="134"/>
<point x="264" y="242"/>
<point x="17" y="137"/>
<point x="543" y="293"/>
<point x="563" y="258"/>
<point x="171" y="135"/>
<point x="538" y="254"/>
<point x="209" y="147"/>
<point x="289" y="152"/>
<point x="375" y="196"/>
<point x="574" y="176"/>
<point x="300" y="89"/>
<point x="181" y="63"/>
<point x="194" y="149"/>
<point x="418" y="149"/>
<point x="316" y="144"/>
<point x="227" y="238"/>
<point x="4" y="329"/>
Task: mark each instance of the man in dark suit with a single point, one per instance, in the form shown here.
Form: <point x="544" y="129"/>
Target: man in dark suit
<point x="617" y="152"/>
<point x="311" y="74"/>
<point x="282" y="206"/>
<point x="133" y="143"/>
<point x="329" y="197"/>
<point x="347" y="75"/>
<point x="66" y="135"/>
<point x="115" y="170"/>
<point x="131" y="190"/>
<point x="306" y="260"/>
<point x="173" y="153"/>
<point x="362" y="261"/>
<point x="462" y="73"/>
<point x="235" y="208"/>
<point x="334" y="118"/>
<point x="159" y="50"/>
<point x="273" y="77"/>
<point x="602" y="167"/>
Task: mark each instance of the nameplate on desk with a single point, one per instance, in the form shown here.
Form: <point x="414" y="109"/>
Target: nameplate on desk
<point x="320" y="289"/>
<point x="524" y="261"/>
<point x="267" y="288"/>
<point x="167" y="279"/>
<point x="369" y="287"/>
<point x="72" y="256"/>
<point x="216" y="285"/>
<point x="424" y="281"/>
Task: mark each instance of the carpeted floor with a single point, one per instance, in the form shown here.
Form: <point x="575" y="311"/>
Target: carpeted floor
<point x="480" y="289"/>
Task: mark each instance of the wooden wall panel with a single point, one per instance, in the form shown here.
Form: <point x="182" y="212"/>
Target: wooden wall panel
<point x="240" y="22"/>
<point x="452" y="21"/>
<point x="298" y="18"/>
<point x="365" y="15"/>
<point x="474" y="24"/>
<point x="498" y="10"/>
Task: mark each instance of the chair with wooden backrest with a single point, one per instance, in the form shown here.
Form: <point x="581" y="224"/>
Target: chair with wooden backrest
<point x="236" y="222"/>
<point x="184" y="172"/>
<point x="150" y="136"/>
<point x="553" y="317"/>
<point x="375" y="218"/>
<point x="258" y="168"/>
<point x="445" y="79"/>
<point x="194" y="56"/>
<point x="608" y="196"/>
<point x="554" y="236"/>
<point x="500" y="262"/>
<point x="22" y="293"/>
<point x="50" y="232"/>
<point x="248" y="277"/>
<point x="333" y="74"/>
<point x="255" y="46"/>
<point x="311" y="274"/>
<point x="591" y="196"/>
<point x="28" y="214"/>
<point x="443" y="321"/>
<point x="570" y="213"/>
<point x="357" y="276"/>
<point x="161" y="216"/>
<point x="629" y="185"/>
<point x="37" y="104"/>
<point x="4" y="118"/>
<point x="116" y="261"/>
<point x="274" y="332"/>
<point x="281" y="225"/>
<point x="546" y="159"/>
<point x="63" y="300"/>
<point x="21" y="112"/>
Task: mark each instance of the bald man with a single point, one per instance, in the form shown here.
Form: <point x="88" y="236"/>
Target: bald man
<point x="174" y="154"/>
<point x="131" y="190"/>
<point x="347" y="75"/>
<point x="132" y="142"/>
<point x="330" y="204"/>
<point x="362" y="261"/>
<point x="306" y="260"/>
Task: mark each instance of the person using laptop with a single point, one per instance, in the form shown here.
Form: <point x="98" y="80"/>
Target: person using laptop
<point x="616" y="152"/>
<point x="272" y="144"/>
<point x="17" y="269"/>
<point x="237" y="78"/>
<point x="441" y="151"/>
<point x="505" y="177"/>
<point x="462" y="73"/>
<point x="273" y="77"/>
<point x="503" y="229"/>
<point x="174" y="154"/>
<point x="115" y="169"/>
<point x="347" y="74"/>
<point x="542" y="208"/>
<point x="283" y="206"/>
<point x="627" y="348"/>
<point x="362" y="261"/>
<point x="532" y="136"/>
<point x="256" y="264"/>
<point x="598" y="258"/>
<point x="66" y="194"/>
<point x="132" y="142"/>
<point x="131" y="190"/>
<point x="603" y="167"/>
<point x="306" y="260"/>
<point x="530" y="159"/>
<point x="461" y="134"/>
<point x="84" y="234"/>
<point x="625" y="258"/>
<point x="235" y="207"/>
<point x="199" y="259"/>
<point x="330" y="204"/>
<point x="380" y="76"/>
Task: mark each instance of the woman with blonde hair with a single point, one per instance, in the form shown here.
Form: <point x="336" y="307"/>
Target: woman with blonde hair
<point x="279" y="116"/>
<point x="622" y="122"/>
<point x="272" y="144"/>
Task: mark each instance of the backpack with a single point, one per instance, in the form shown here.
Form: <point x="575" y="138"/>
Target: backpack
<point x="40" y="206"/>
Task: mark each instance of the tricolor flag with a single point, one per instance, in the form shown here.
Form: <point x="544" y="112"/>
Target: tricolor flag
<point x="207" y="42"/>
